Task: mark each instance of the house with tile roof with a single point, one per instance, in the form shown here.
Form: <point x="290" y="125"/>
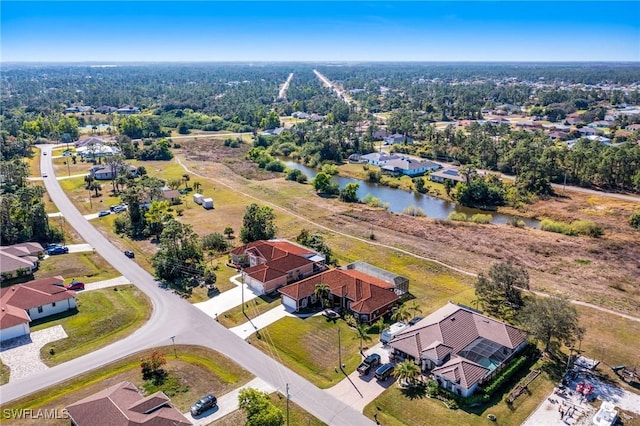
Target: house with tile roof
<point x="22" y="303"/>
<point x="123" y="405"/>
<point x="19" y="259"/>
<point x="459" y="346"/>
<point x="366" y="297"/>
<point x="379" y="158"/>
<point x="269" y="265"/>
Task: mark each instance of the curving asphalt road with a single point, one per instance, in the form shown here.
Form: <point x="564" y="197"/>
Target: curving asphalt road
<point x="172" y="317"/>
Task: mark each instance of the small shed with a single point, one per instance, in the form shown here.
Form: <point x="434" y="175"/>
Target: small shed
<point x="207" y="203"/>
<point x="197" y="198"/>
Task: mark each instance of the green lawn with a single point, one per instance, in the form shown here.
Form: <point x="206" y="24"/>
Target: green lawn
<point x="103" y="316"/>
<point x="5" y="373"/>
<point x="310" y="347"/>
<point x="197" y="370"/>
<point x="253" y="308"/>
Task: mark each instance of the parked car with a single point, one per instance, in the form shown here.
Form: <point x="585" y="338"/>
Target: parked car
<point x="330" y="314"/>
<point x="415" y="320"/>
<point x="44" y="175"/>
<point x="44" y="153"/>
<point x="119" y="209"/>
<point x="75" y="285"/>
<point x="203" y="405"/>
<point x="369" y="362"/>
<point x="129" y="254"/>
<point x="58" y="250"/>
<point x="66" y="154"/>
<point x="104" y="213"/>
<point x="383" y="372"/>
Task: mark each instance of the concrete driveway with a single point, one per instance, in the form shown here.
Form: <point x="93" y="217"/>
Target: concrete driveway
<point x="358" y="391"/>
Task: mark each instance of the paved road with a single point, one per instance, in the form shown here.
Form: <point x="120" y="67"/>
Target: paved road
<point x="283" y="90"/>
<point x="172" y="316"/>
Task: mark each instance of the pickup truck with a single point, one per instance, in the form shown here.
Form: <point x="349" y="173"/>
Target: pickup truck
<point x="365" y="366"/>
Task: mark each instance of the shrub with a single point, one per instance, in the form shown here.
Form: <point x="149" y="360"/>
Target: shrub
<point x="634" y="220"/>
<point x="275" y="166"/>
<point x="372" y="201"/>
<point x="414" y="211"/>
<point x="504" y="376"/>
<point x="457" y="216"/>
<point x="481" y="218"/>
<point x="587" y="227"/>
<point x="518" y="223"/>
<point x="330" y="169"/>
<point x="559" y="227"/>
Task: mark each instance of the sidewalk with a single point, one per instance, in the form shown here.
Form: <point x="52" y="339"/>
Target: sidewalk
<point x="121" y="280"/>
<point x="261" y="321"/>
<point x="228" y="403"/>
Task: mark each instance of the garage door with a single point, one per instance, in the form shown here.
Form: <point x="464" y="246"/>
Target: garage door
<point x="15" y="331"/>
<point x="289" y="303"/>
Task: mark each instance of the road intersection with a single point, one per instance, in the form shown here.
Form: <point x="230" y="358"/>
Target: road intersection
<point x="173" y="316"/>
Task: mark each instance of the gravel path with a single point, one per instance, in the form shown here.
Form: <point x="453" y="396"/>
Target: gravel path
<point x="22" y="355"/>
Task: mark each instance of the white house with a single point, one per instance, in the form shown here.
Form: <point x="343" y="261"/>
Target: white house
<point x="397" y="138"/>
<point x="379" y="158"/>
<point x="22" y="303"/>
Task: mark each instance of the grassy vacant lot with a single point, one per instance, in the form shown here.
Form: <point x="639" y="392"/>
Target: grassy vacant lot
<point x="310" y="347"/>
<point x="197" y="370"/>
<point x="397" y="407"/>
<point x="87" y="267"/>
<point x="297" y="415"/>
<point x="103" y="316"/>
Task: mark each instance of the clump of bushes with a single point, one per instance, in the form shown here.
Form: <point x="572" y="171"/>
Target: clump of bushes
<point x="578" y="227"/>
<point x="457" y="216"/>
<point x="414" y="211"/>
<point x="481" y="218"/>
<point x="372" y="201"/>
<point x="634" y="220"/>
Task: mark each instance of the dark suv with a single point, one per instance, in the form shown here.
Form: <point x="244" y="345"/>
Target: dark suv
<point x="369" y="362"/>
<point x="383" y="373"/>
<point x="203" y="405"/>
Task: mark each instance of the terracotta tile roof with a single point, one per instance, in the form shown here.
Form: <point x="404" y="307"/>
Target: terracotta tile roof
<point x="462" y="371"/>
<point x="437" y="350"/>
<point x="263" y="273"/>
<point x="289" y="247"/>
<point x="23" y="249"/>
<point x="11" y="315"/>
<point x="366" y="293"/>
<point x="35" y="293"/>
<point x="123" y="405"/>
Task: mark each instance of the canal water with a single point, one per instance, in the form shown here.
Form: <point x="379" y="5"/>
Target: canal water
<point x="398" y="199"/>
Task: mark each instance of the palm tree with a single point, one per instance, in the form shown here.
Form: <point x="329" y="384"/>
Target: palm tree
<point x="415" y="308"/>
<point x="379" y="325"/>
<point x="186" y="179"/>
<point x="362" y="333"/>
<point x="406" y="372"/>
<point x="228" y="231"/>
<point x="196" y="186"/>
<point x="401" y="313"/>
<point x="95" y="187"/>
<point x="322" y="292"/>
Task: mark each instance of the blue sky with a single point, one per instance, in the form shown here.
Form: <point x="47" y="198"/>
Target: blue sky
<point x="319" y="31"/>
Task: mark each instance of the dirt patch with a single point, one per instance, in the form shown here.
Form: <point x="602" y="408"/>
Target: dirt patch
<point x="214" y="150"/>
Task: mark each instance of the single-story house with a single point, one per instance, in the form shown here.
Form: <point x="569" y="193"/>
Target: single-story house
<point x="269" y="265"/>
<point x="600" y="123"/>
<point x="587" y="131"/>
<point x="558" y="135"/>
<point x="105" y="172"/>
<point x="379" y="158"/>
<point x="397" y="138"/>
<point x="171" y="195"/>
<point x="366" y="297"/>
<point x="127" y="109"/>
<point x="97" y="150"/>
<point x="19" y="258"/>
<point x="410" y="167"/>
<point x="81" y="108"/>
<point x="36" y="299"/>
<point x="105" y="109"/>
<point x="450" y="174"/>
<point x="272" y="132"/>
<point x="379" y="135"/>
<point x="460" y="347"/>
<point x="123" y="405"/>
<point x="633" y="127"/>
<point x="301" y="115"/>
<point x="316" y="117"/>
<point x="89" y="141"/>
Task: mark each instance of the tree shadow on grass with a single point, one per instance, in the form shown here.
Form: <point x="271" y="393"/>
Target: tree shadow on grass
<point x="417" y="391"/>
